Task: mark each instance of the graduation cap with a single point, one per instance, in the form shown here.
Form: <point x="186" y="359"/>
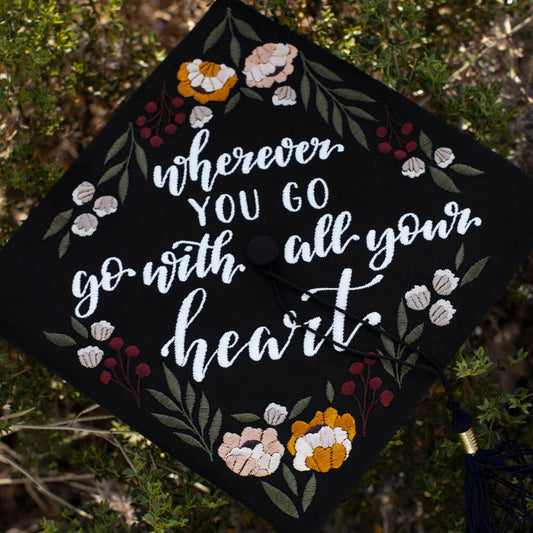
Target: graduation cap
<point x="263" y="262"/>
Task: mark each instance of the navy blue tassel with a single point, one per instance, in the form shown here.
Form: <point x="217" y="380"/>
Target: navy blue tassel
<point x="496" y="482"/>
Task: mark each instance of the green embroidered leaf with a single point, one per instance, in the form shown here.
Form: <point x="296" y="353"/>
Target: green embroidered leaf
<point x="336" y="118"/>
<point x="387" y="365"/>
<point x="123" y="185"/>
<point x="79" y="328"/>
<point x="425" y="144"/>
<point x="190" y="398"/>
<point x="323" y="71"/>
<point x="173" y="384"/>
<point x="415" y="334"/>
<point x="289" y="478"/>
<point x="466" y="170"/>
<point x="233" y="101"/>
<point x="402" y="319"/>
<point x="358" y="112"/>
<point x="309" y="493"/>
<point x="322" y="105"/>
<point x="164" y="400"/>
<point x="235" y="50"/>
<point x="191" y="441"/>
<point x="357" y="132"/>
<point x="442" y="180"/>
<point x="305" y="90"/>
<point x="474" y="271"/>
<point x="250" y="93"/>
<point x="330" y="391"/>
<point x="172" y="422"/>
<point x="140" y="155"/>
<point x="214" y="36"/>
<point x="388" y="345"/>
<point x="60" y="339"/>
<point x="116" y="146"/>
<point x="203" y="412"/>
<point x="280" y="500"/>
<point x="245" y="418"/>
<point x="299" y="407"/>
<point x="460" y="256"/>
<point x="350" y="94"/>
<point x="58" y="223"/>
<point x="246" y="30"/>
<point x="216" y="424"/>
<point x="64" y="244"/>
<point x="412" y="359"/>
<point x="111" y="173"/>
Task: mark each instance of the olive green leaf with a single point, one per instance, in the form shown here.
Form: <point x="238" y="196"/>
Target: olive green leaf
<point x="289" y="478"/>
<point x="425" y="144"/>
<point x="140" y="155"/>
<point x="123" y="185"/>
<point x="474" y="271"/>
<point x="58" y="223"/>
<point x="191" y="441"/>
<point x="299" y="407"/>
<point x="309" y="493"/>
<point x="280" y="500"/>
<point x="164" y="400"/>
<point x="305" y="90"/>
<point x="322" y="105"/>
<point x="172" y="422"/>
<point x="330" y="391"/>
<point x="235" y="50"/>
<point x="111" y="173"/>
<point x="190" y="398"/>
<point x="233" y="101"/>
<point x="351" y="94"/>
<point x="246" y="418"/>
<point x="214" y="36"/>
<point x="64" y="244"/>
<point x="246" y="30"/>
<point x="414" y="334"/>
<point x="79" y="328"/>
<point x="203" y="412"/>
<point x="357" y="132"/>
<point x="117" y="146"/>
<point x="358" y="112"/>
<point x="250" y="93"/>
<point x="466" y="170"/>
<point x="388" y="345"/>
<point x="337" y="119"/>
<point x="214" y="429"/>
<point x="442" y="180"/>
<point x="323" y="71"/>
<point x="459" y="258"/>
<point x="402" y="319"/>
<point x="59" y="339"/>
<point x="173" y="384"/>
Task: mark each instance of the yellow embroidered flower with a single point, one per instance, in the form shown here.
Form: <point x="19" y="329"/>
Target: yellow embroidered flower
<point x="206" y="81"/>
<point x="324" y="443"/>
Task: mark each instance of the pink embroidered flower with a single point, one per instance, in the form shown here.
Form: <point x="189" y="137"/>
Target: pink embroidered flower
<point x="105" y="205"/>
<point x="101" y="331"/>
<point x="83" y="193"/>
<point x="90" y="356"/>
<point x="85" y="225"/>
<point x="256" y="452"/>
<point x="269" y="63"/>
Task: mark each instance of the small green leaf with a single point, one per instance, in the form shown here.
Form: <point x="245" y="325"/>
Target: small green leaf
<point x="388" y="345"/>
<point x="191" y="441"/>
<point x="357" y="132"/>
<point x="116" y="146"/>
<point x="111" y="173"/>
<point x="280" y="500"/>
<point x="246" y="30"/>
<point x="412" y="359"/>
<point x="459" y="258"/>
<point x="415" y="334"/>
<point x="190" y="398"/>
<point x="358" y="112"/>
<point x="203" y="412"/>
<point x="164" y="400"/>
<point x="235" y="50"/>
<point x="60" y="339"/>
<point x="330" y="391"/>
<point x="214" y="36"/>
<point x="425" y="144"/>
<point x="233" y="101"/>
<point x="402" y="319"/>
<point x="64" y="244"/>
<point x="250" y="93"/>
<point x="336" y="118"/>
<point x="299" y="407"/>
<point x="58" y="223"/>
<point x="172" y="422"/>
<point x="289" y="478"/>
<point x="350" y="94"/>
<point x="322" y="105"/>
<point x="140" y="155"/>
<point x="466" y="170"/>
<point x="442" y="180"/>
<point x="323" y="71"/>
<point x="309" y="493"/>
<point x="246" y="418"/>
<point x="123" y="185"/>
<point x="474" y="271"/>
<point x="387" y="365"/>
<point x="79" y="328"/>
<point x="173" y="384"/>
<point x="305" y="90"/>
<point x="214" y="429"/>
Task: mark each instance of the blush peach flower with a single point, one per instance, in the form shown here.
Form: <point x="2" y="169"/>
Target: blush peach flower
<point x="269" y="64"/>
<point x="255" y="452"/>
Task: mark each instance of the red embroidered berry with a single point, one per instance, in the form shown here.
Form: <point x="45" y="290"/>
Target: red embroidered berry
<point x="116" y="343"/>
<point x="369" y="361"/>
<point x="141" y="121"/>
<point x="348" y="388"/>
<point x="411" y="146"/>
<point x="381" y="132"/>
<point x="143" y="370"/>
<point x="356" y="368"/>
<point x="386" y="397"/>
<point x="384" y="148"/>
<point x="399" y="154"/>
<point x="407" y="128"/>
<point x="110" y="362"/>
<point x="170" y="129"/>
<point x="132" y="351"/>
<point x="375" y="383"/>
<point x="145" y="133"/>
<point x="150" y="107"/>
<point x="180" y="118"/>
<point x="105" y="377"/>
<point x="156" y="141"/>
<point x="177" y="102"/>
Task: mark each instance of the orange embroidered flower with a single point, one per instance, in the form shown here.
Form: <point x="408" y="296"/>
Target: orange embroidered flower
<point x="206" y="81"/>
<point x="324" y="443"/>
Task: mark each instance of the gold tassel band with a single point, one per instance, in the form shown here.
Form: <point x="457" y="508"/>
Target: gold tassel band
<point x="469" y="441"/>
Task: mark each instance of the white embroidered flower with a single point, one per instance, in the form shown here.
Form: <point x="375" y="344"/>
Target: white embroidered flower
<point x="101" y="331"/>
<point x="268" y="64"/>
<point x="443" y="157"/>
<point x="413" y="167"/>
<point x="441" y="313"/>
<point x="444" y="282"/>
<point x="200" y="115"/>
<point x="105" y="205"/>
<point x="418" y="297"/>
<point x="284" y="95"/>
<point x="83" y="193"/>
<point x="85" y="225"/>
<point x="275" y="414"/>
<point x="90" y="357"/>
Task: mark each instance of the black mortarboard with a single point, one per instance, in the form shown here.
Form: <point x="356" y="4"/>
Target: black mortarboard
<point x="263" y="262"/>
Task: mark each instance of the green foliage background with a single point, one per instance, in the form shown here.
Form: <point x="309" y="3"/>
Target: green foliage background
<point x="65" y="67"/>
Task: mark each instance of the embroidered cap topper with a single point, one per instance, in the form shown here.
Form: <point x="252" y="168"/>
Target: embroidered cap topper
<point x="249" y="261"/>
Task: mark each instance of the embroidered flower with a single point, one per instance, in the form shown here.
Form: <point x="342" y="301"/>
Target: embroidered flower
<point x="324" y="443"/>
<point x="284" y="95"/>
<point x="441" y="313"/>
<point x="444" y="282"/>
<point x="83" y="193"/>
<point x="269" y="63"/>
<point x="105" y="205"/>
<point x="85" y="225"/>
<point x="413" y="167"/>
<point x="418" y="297"/>
<point x="206" y="81"/>
<point x="90" y="357"/>
<point x="256" y="452"/>
<point x="443" y="157"/>
<point x="200" y="116"/>
<point x="101" y="331"/>
<point x="275" y="414"/>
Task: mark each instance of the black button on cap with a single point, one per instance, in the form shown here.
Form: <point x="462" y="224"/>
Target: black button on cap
<point x="262" y="250"/>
